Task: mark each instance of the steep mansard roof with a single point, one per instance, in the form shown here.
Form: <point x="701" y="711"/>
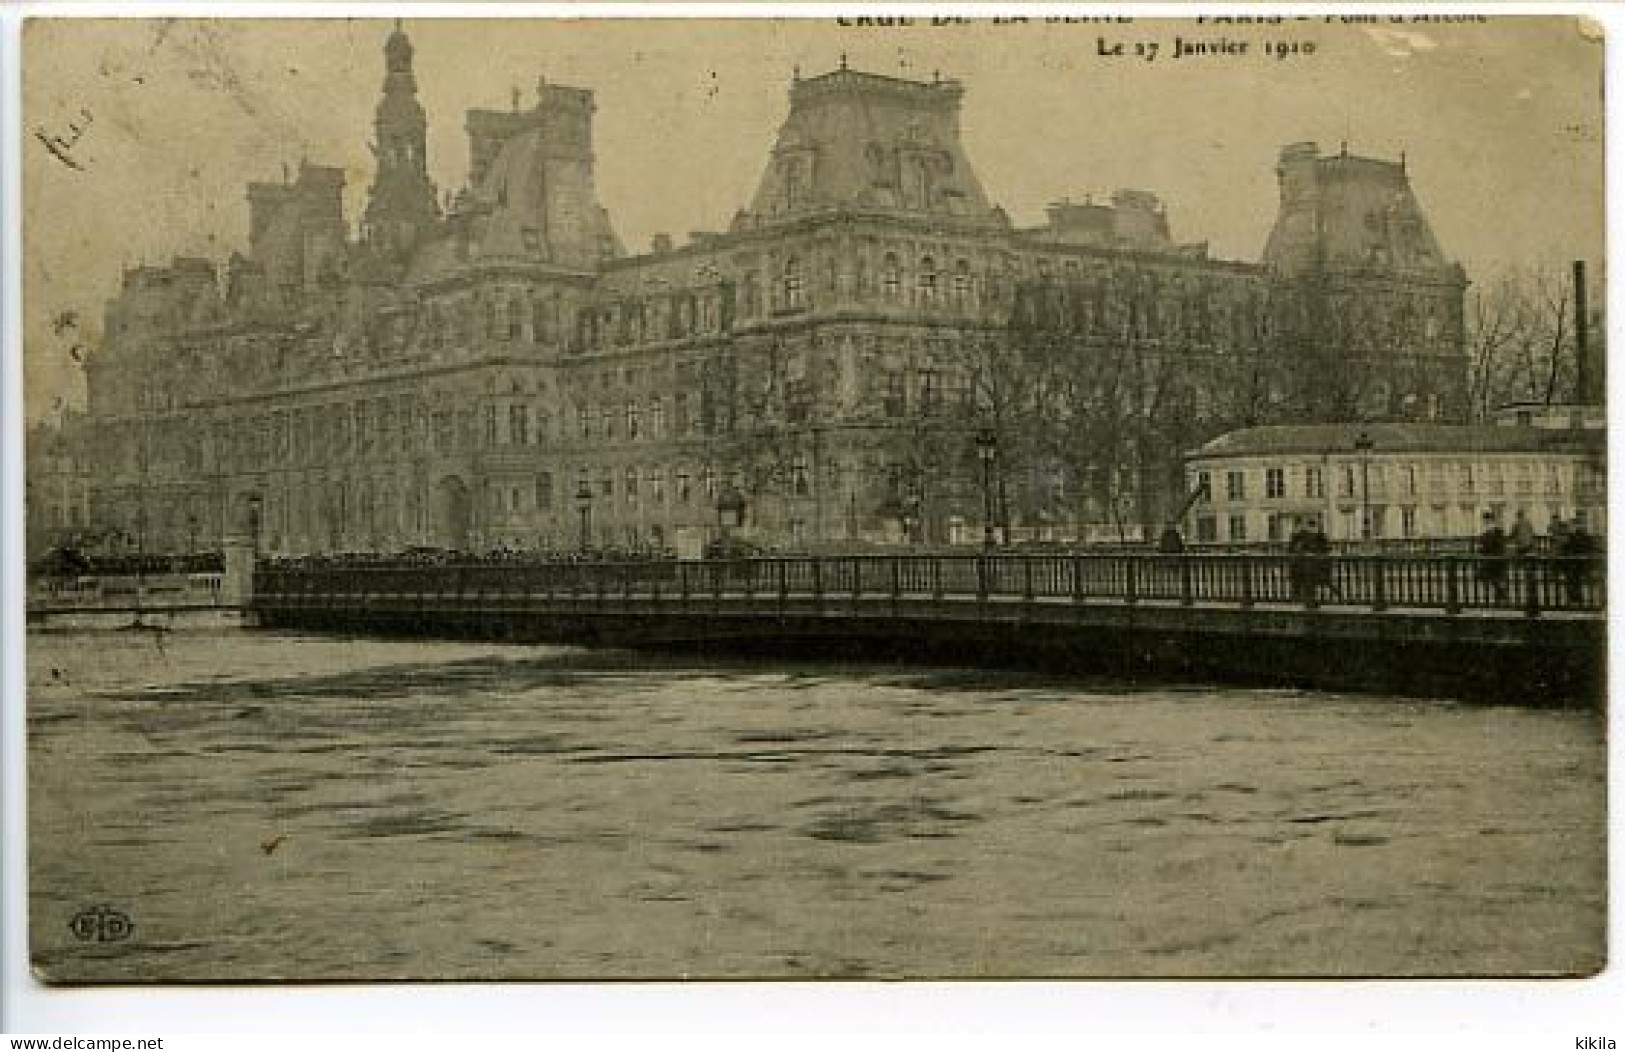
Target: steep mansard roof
<point x="868" y="142"/>
<point x="1319" y="439"/>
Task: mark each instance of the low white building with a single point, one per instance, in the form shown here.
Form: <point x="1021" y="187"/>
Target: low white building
<point x="1380" y="481"/>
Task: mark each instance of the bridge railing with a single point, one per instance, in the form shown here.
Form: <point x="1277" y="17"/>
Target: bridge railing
<point x="125" y="591"/>
<point x="1439" y="583"/>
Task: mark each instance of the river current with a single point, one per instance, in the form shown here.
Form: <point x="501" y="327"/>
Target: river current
<point x="265" y="806"/>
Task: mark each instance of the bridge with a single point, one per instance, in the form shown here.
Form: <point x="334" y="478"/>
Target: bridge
<point x="1529" y="629"/>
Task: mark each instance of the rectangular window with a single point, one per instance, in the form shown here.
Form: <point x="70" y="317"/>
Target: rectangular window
<point x="1347" y="489"/>
<point x="1274" y="483"/>
<point x="519" y="425"/>
<point x="1314" y="483"/>
<point x="631" y="485"/>
<point x="1204" y="486"/>
<point x="584" y="422"/>
<point x="490" y="425"/>
<point x="684" y="490"/>
<point x="1207" y="529"/>
<point x="1275" y="526"/>
<point x="1407" y="522"/>
<point x="798" y="476"/>
<point x="896" y="393"/>
<point x="1235" y="485"/>
<point x="1238" y="528"/>
<point x="544" y="491"/>
<point x="930" y="392"/>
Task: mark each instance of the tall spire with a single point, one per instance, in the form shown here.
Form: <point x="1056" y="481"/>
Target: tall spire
<point x="401" y="204"/>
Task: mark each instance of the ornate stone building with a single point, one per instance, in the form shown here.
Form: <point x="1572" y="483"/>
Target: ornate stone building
<point x="492" y="367"/>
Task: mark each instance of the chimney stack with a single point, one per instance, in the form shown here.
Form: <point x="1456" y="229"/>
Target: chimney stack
<point x="1582" y="353"/>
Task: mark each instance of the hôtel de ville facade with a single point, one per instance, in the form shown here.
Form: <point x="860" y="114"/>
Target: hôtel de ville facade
<point x="855" y="359"/>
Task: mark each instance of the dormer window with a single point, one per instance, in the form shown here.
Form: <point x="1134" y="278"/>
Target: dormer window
<point x="792" y="283"/>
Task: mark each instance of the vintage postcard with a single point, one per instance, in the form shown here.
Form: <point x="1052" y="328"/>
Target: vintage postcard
<point x="899" y="498"/>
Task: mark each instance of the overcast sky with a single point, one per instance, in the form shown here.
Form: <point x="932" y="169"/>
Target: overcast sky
<point x="1501" y="125"/>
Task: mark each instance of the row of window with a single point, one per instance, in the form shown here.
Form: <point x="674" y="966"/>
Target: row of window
<point x="1355" y="479"/>
<point x="1374" y="523"/>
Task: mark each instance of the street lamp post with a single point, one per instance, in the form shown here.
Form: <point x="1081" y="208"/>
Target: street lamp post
<point x="584" y="505"/>
<point x="255" y="503"/>
<point x="1363" y="445"/>
<point x="912" y="504"/>
<point x="987" y="450"/>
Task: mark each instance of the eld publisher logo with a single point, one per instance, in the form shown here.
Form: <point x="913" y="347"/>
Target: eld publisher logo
<point x="101" y="924"/>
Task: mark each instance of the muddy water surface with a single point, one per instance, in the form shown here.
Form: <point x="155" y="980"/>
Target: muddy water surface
<point x="266" y="806"/>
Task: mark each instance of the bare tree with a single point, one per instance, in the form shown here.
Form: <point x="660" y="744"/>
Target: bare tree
<point x="1520" y="339"/>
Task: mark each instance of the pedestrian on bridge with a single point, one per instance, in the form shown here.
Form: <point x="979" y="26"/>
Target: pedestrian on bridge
<point x="1300" y="566"/>
<point x="1576" y="547"/>
<point x="1492" y="549"/>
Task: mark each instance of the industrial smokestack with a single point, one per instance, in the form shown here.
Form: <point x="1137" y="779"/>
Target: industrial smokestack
<point x="1582" y="355"/>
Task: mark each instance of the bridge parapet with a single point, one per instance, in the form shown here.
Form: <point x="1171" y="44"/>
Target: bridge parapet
<point x="1529" y="631"/>
<point x="1432" y="585"/>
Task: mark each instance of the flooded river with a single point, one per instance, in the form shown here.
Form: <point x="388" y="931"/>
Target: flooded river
<point x="265" y="806"/>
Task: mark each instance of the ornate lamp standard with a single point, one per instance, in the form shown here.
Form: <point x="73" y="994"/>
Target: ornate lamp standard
<point x="911" y="514"/>
<point x="730" y="514"/>
<point x="1363" y="445"/>
<point x="584" y="505"/>
<point x="987" y="451"/>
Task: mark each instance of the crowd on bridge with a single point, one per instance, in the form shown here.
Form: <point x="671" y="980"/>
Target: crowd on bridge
<point x="71" y="561"/>
<point x="499" y="556"/>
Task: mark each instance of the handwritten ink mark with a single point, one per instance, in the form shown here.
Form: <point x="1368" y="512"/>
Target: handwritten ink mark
<point x="61" y="146"/>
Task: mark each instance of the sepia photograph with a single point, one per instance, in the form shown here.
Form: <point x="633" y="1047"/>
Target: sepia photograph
<point x="891" y="498"/>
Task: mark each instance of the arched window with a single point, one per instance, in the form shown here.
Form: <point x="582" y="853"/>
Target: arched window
<point x="928" y="278"/>
<point x="541" y="326"/>
<point x="962" y="281"/>
<point x="792" y="183"/>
